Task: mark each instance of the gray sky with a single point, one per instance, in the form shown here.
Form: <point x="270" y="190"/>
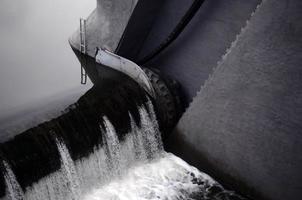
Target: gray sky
<point x="36" y="61"/>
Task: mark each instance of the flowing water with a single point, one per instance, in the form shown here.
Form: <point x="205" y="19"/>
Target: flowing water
<point x="77" y="157"/>
<point x="14" y="191"/>
<point x="134" y="168"/>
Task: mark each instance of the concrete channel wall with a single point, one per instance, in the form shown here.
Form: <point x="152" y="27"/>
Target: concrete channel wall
<point x="105" y="25"/>
<point x="192" y="57"/>
<point x="244" y="127"/>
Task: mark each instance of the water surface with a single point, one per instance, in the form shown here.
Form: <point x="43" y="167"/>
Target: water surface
<point x="36" y="62"/>
<point x="39" y="72"/>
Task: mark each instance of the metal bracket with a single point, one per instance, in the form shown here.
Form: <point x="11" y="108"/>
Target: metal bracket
<point x="109" y="59"/>
<point x="83" y="49"/>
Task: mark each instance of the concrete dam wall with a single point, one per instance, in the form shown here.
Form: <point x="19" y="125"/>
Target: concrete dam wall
<point x="244" y="126"/>
<point x="192" y="57"/>
<point x="105" y="25"/>
<point x="134" y="28"/>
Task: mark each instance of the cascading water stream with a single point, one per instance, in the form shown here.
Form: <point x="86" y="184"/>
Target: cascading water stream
<point x="136" y="167"/>
<point x="113" y="151"/>
<point x="69" y="171"/>
<point x="14" y="190"/>
<point x="150" y="130"/>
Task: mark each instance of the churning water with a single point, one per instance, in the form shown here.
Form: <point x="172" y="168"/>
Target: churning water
<point x="134" y="168"/>
<point x="166" y="177"/>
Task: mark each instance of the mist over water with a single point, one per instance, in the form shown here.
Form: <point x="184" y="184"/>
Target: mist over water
<point x="36" y="61"/>
<point x="39" y="73"/>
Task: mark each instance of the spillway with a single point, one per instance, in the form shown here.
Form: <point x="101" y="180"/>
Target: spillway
<point x="89" y="154"/>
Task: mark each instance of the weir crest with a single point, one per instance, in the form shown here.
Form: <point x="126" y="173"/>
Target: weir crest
<point x="136" y="167"/>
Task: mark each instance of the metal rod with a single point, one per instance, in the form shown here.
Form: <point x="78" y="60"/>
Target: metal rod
<point x="83" y="49"/>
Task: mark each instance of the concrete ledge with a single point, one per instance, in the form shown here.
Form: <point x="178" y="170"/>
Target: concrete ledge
<point x="245" y="123"/>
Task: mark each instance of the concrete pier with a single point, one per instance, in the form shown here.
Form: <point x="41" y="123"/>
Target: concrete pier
<point x="105" y="25"/>
<point x="244" y="126"/>
<point x="192" y="57"/>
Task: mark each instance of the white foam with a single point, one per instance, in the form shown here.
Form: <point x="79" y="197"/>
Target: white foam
<point x="167" y="177"/>
<point x="134" y="168"/>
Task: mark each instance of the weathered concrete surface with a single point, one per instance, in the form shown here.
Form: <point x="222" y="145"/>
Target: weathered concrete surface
<point x="192" y="57"/>
<point x="105" y="25"/>
<point x="244" y="127"/>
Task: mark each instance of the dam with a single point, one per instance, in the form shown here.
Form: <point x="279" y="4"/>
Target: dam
<point x="190" y="99"/>
<point x="101" y="147"/>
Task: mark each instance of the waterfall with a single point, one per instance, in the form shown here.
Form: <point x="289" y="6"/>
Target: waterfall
<point x="104" y="164"/>
<point x="68" y="168"/>
<point x="135" y="167"/>
<point x="112" y="146"/>
<point x="138" y="146"/>
<point x="14" y="190"/>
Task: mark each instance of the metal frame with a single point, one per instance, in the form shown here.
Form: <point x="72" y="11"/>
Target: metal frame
<point x="116" y="62"/>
